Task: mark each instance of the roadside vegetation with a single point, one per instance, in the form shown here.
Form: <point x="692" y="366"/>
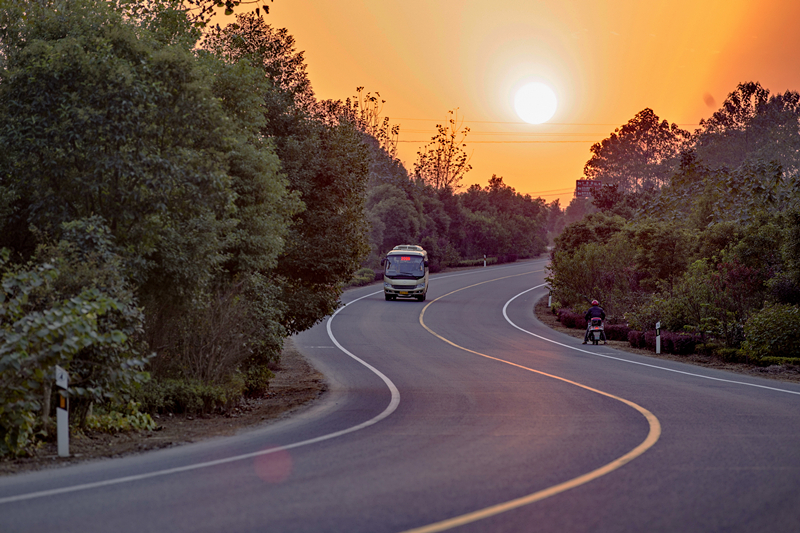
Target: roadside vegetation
<point x="175" y="202"/>
<point x="696" y="231"/>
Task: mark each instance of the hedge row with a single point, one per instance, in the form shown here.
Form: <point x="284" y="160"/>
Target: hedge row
<point x="674" y="343"/>
<point x="569" y="319"/>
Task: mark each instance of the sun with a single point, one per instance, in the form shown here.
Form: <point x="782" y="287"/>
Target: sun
<point x="535" y="103"/>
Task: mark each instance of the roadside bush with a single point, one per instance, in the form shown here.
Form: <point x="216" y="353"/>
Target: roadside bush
<point x="126" y="418"/>
<point x="772" y="332"/>
<point x="769" y="361"/>
<point x="476" y="262"/>
<point x="570" y="319"/>
<point x="707" y="348"/>
<point x="733" y="355"/>
<point x="70" y="308"/>
<point x="362" y="277"/>
<point x="182" y="396"/>
<point x="257" y="380"/>
<point x="636" y="339"/>
<point x="684" y="344"/>
<point x="650" y="341"/>
<point x="617" y="332"/>
<point x="506" y="258"/>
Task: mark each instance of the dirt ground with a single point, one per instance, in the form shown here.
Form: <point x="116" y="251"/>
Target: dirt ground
<point x="296" y="384"/>
<point x="781" y="373"/>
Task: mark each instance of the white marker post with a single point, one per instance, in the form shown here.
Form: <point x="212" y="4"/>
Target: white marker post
<point x="550" y="300"/>
<point x="484" y="260"/>
<point x="62" y="412"/>
<point x="658" y="337"/>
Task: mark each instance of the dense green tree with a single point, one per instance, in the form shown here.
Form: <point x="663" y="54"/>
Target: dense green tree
<point x="752" y="125"/>
<point x="97" y="120"/>
<point x="325" y="162"/>
<point x="640" y="155"/>
<point x="108" y="111"/>
<point x="395" y="219"/>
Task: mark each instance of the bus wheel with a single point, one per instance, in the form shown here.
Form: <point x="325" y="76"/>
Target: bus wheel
<point x="388" y="298"/>
<point x="421" y="298"/>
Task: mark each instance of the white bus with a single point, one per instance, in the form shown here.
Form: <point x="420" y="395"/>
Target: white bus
<point x="405" y="273"/>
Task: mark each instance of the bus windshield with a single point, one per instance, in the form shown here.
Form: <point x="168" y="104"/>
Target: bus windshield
<point x="404" y="265"/>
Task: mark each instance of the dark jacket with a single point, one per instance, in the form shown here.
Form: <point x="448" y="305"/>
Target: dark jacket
<point x="595" y="311"/>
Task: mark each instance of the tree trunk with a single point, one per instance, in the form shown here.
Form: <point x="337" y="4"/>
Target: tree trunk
<point x="47" y="391"/>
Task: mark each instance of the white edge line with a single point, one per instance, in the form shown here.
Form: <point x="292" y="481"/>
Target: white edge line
<point x="628" y="360"/>
<point x="393" y="403"/>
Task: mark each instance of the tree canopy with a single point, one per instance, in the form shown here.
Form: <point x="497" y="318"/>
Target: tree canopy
<point x="640" y="155"/>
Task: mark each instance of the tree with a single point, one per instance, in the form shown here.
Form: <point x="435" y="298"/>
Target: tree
<point x="642" y="154"/>
<point x="363" y="111"/>
<point x="97" y="121"/>
<point x="112" y="114"/>
<point x="442" y="163"/>
<point x="752" y="125"/>
<point x="326" y="164"/>
<point x="395" y="219"/>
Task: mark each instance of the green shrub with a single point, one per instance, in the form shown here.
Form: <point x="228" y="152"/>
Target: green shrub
<point x="46" y="321"/>
<point x="732" y="355"/>
<point x="769" y="361"/>
<point x="772" y="332"/>
<point x="182" y="396"/>
<point x="708" y="348"/>
<point x="128" y="418"/>
<point x="363" y="276"/>
<point x="476" y="262"/>
<point x="257" y="380"/>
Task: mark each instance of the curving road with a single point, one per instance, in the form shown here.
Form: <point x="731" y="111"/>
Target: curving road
<point x="463" y="414"/>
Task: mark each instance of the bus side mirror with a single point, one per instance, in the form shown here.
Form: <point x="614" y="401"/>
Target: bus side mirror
<point x="383" y="261"/>
<point x="426" y="264"/>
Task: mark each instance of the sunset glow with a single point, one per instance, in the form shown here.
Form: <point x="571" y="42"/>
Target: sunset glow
<point x="605" y="62"/>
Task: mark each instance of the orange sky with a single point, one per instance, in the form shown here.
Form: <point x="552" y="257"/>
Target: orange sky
<point x="605" y="60"/>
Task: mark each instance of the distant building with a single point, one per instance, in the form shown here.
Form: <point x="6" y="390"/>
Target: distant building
<point x="585" y="188"/>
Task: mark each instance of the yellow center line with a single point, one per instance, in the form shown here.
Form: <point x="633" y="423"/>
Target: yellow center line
<point x="652" y="437"/>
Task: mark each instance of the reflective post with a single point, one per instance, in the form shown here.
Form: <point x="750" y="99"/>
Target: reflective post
<point x="658" y="337"/>
<point x="62" y="412"/>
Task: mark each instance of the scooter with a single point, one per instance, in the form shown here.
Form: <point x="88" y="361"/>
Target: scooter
<point x="596" y="330"/>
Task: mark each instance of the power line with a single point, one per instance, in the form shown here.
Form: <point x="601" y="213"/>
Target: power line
<point x="527" y="124"/>
<point x="554" y="191"/>
<point x="508" y="142"/>
<point x="522" y="133"/>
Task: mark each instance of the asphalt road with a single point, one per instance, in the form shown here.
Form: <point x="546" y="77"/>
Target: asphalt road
<point x="462" y="413"/>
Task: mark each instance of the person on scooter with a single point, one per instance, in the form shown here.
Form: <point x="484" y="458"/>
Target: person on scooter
<point x="595" y="311"/>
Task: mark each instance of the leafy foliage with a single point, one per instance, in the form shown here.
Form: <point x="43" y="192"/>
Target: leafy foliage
<point x="91" y="335"/>
<point x="638" y="156"/>
<point x="752" y="125"/>
<point x="772" y="332"/>
<point x="709" y="248"/>
<point x="326" y="165"/>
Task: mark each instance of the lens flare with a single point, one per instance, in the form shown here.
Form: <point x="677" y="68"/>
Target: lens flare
<point x="274" y="467"/>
